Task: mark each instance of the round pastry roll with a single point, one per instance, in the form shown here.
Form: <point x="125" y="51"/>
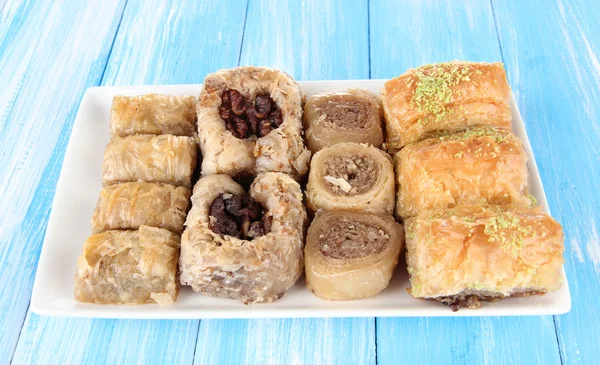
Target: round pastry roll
<point x="244" y="246"/>
<point x="351" y="255"/>
<point x="351" y="176"/>
<point x="354" y="115"/>
<point x="249" y="121"/>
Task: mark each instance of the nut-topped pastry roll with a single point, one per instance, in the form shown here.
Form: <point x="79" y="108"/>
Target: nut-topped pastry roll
<point x="351" y="255"/>
<point x="463" y="255"/>
<point x="163" y="159"/>
<point x="354" y="115"/>
<point x="250" y="121"/>
<point x="153" y="114"/>
<point x="445" y="97"/>
<point x="244" y="246"/>
<point x="351" y="176"/>
<point x="131" y="205"/>
<point x="129" y="267"/>
<point x="479" y="166"/>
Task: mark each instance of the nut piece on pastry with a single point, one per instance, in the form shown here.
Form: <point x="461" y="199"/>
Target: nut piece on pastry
<point x="153" y="114"/>
<point x="244" y="246"/>
<point x="467" y="254"/>
<point x="134" y="204"/>
<point x="477" y="167"/>
<point x="354" y="115"/>
<point x="162" y="159"/>
<point x="351" y="255"/>
<point x="250" y="121"/>
<point x="129" y="267"/>
<point x="447" y="96"/>
<point x="351" y="176"/>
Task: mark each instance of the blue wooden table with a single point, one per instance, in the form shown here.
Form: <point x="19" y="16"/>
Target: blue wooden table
<point x="50" y="52"/>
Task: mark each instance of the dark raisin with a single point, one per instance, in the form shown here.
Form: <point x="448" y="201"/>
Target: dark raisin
<point x="267" y="221"/>
<point x="252" y="120"/>
<point x="238" y="102"/>
<point x="275" y="118"/>
<point x="234" y="205"/>
<point x="262" y="104"/>
<point x="241" y="127"/>
<point x="265" y="128"/>
<point x="225" y="113"/>
<point x="225" y="100"/>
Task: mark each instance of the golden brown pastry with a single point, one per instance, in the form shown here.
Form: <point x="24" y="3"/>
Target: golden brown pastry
<point x="351" y="176"/>
<point x="250" y="121"/>
<point x="245" y="247"/>
<point x="445" y="97"/>
<point x="463" y="255"/>
<point x="351" y="255"/>
<point x="131" y="205"/>
<point x="163" y="159"/>
<point x="354" y="115"/>
<point x="478" y="167"/>
<point x="153" y="114"/>
<point x="129" y="267"/>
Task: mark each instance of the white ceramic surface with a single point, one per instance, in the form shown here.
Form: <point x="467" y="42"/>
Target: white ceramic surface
<point x="80" y="183"/>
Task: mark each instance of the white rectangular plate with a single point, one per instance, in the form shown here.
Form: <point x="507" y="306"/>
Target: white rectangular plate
<point x="79" y="186"/>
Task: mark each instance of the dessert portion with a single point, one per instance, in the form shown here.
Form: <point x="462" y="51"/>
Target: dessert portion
<point x="351" y="255"/>
<point x="162" y="159"/>
<point x="128" y="267"/>
<point x="447" y="96"/>
<point x="153" y="114"/>
<point x="134" y="204"/>
<point x="245" y="246"/>
<point x="481" y="166"/>
<point x="351" y="176"/>
<point x="469" y="254"/>
<point x="354" y="115"/>
<point x="250" y="121"/>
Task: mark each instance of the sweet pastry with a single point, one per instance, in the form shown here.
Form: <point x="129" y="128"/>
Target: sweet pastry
<point x="478" y="167"/>
<point x="153" y="114"/>
<point x="351" y="176"/>
<point x="351" y="255"/>
<point x="445" y="97"/>
<point x="129" y="267"/>
<point x="133" y="204"/>
<point x="245" y="247"/>
<point x="467" y="254"/>
<point x="163" y="159"/>
<point x="354" y="115"/>
<point x="250" y="121"/>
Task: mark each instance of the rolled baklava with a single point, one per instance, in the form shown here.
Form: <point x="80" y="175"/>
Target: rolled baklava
<point x="445" y="97"/>
<point x="129" y="267"/>
<point x="244" y="246"/>
<point x="351" y="176"/>
<point x="467" y="254"/>
<point x="477" y="167"/>
<point x="134" y="204"/>
<point x="162" y="159"/>
<point x="353" y="115"/>
<point x="153" y="114"/>
<point x="351" y="255"/>
<point x="250" y="121"/>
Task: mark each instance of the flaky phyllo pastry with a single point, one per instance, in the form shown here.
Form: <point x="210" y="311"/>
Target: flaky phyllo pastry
<point x="478" y="167"/>
<point x="250" y="121"/>
<point x="463" y="255"/>
<point x="129" y="267"/>
<point x="153" y="114"/>
<point x="351" y="255"/>
<point x="445" y="97"/>
<point x="353" y="177"/>
<point x="353" y="115"/>
<point x="134" y="204"/>
<point x="232" y="248"/>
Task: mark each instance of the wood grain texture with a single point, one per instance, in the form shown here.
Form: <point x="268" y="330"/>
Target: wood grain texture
<point x="406" y="34"/>
<point x="556" y="79"/>
<point x="39" y="89"/>
<point x="160" y="43"/>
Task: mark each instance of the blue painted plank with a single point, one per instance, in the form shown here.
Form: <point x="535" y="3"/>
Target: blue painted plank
<point x="552" y="53"/>
<point x="157" y="43"/>
<point x="311" y="41"/>
<point x="406" y="34"/>
<point x="38" y="91"/>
